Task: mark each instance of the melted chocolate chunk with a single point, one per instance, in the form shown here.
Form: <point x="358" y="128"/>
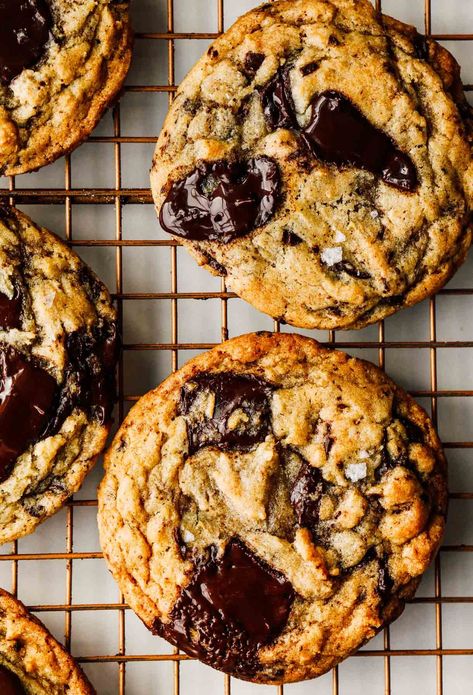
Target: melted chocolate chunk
<point x="278" y="106"/>
<point x="222" y="201"/>
<point x="32" y="406"/>
<point x="233" y="606"/>
<point x="338" y="133"/>
<point x="253" y="62"/>
<point x="306" y="495"/>
<point x="413" y="431"/>
<point x="10" y="684"/>
<point x="89" y="381"/>
<point x="232" y="392"/>
<point x="290" y="238"/>
<point x="24" y="31"/>
<point x="10" y="310"/>
<point x="27" y="395"/>
<point x="309" y="68"/>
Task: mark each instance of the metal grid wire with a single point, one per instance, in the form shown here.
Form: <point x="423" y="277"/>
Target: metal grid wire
<point x="118" y="197"/>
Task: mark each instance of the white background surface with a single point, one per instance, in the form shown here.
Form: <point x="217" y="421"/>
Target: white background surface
<point x="148" y="269"/>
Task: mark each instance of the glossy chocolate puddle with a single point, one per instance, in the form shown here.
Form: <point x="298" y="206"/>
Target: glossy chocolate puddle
<point x="233" y="606"/>
<point x="221" y="201"/>
<point x="338" y="133"/>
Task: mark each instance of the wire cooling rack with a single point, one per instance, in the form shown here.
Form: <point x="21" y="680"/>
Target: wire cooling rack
<point x="98" y="199"/>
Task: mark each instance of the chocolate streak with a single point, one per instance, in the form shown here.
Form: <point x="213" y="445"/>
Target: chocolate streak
<point x="232" y="392"/>
<point x="233" y="606"/>
<point x="10" y="684"/>
<point x="24" y="31"/>
<point x="221" y="201"/>
<point x="339" y="133"/>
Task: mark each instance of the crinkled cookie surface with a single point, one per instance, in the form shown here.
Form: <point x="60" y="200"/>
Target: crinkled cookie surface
<point x="272" y="505"/>
<point x="319" y="157"/>
<point x="62" y="62"/>
<point x="32" y="662"/>
<point x="58" y="342"/>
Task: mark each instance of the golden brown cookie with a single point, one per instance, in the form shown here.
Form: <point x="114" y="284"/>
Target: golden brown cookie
<point x="272" y="505"/>
<point x="319" y="157"/>
<point x="61" y="65"/>
<point x="32" y="662"/>
<point x="58" y="343"/>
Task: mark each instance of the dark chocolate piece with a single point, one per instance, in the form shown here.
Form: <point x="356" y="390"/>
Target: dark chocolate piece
<point x="33" y="406"/>
<point x="349" y="269"/>
<point x="340" y="134"/>
<point x="306" y="495"/>
<point x="24" y="32"/>
<point x="278" y="105"/>
<point x="290" y="238"/>
<point x="10" y="310"/>
<point x="233" y="606"/>
<point x="253" y="62"/>
<point x="232" y="392"/>
<point x="27" y="395"/>
<point x="89" y="381"/>
<point x="309" y="68"/>
<point x="10" y="684"/>
<point x="413" y="431"/>
<point x="221" y="201"/>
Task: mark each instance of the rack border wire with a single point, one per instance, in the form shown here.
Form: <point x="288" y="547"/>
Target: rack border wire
<point x="120" y="196"/>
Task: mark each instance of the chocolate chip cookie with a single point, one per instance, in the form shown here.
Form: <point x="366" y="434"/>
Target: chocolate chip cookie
<point x="32" y="662"/>
<point x="319" y="156"/>
<point x="61" y="64"/>
<point x="272" y="505"/>
<point x="58" y="343"/>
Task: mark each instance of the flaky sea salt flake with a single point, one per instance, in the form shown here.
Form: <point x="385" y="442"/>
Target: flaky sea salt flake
<point x="332" y="255"/>
<point x="356" y="471"/>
